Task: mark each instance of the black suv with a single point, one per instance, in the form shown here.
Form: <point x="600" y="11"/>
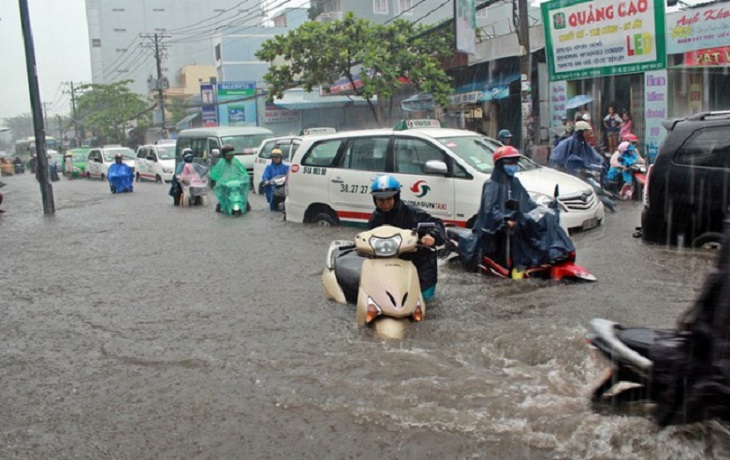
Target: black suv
<point x="689" y="185"/>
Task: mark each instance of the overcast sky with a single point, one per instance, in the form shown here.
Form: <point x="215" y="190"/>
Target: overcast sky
<point x="60" y="36"/>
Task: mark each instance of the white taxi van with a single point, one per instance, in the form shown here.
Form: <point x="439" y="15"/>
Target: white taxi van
<point x="99" y="159"/>
<point x="206" y="143"/>
<point x="441" y="170"/>
<point x="288" y="146"/>
<point x="156" y="161"/>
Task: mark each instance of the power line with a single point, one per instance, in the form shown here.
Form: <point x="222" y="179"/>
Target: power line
<point x="404" y="12"/>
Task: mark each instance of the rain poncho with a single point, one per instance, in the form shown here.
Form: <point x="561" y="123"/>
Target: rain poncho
<point x="120" y="178"/>
<point x="574" y="153"/>
<point x="629" y="158"/>
<point x="232" y="184"/>
<point x="536" y="239"/>
<point x="691" y="372"/>
<point x="408" y="217"/>
<point x="194" y="175"/>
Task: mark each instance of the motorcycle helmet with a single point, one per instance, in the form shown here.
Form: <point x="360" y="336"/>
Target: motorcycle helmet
<point x="506" y="151"/>
<point x="630" y="137"/>
<point x="623" y="146"/>
<point x="228" y="148"/>
<point x="276" y="153"/>
<point x="385" y="187"/>
<point x="188" y="157"/>
<point x="583" y="126"/>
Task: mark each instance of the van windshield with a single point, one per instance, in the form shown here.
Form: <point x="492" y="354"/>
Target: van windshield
<point x="166" y="152"/>
<point x="248" y="141"/>
<point x="477" y="152"/>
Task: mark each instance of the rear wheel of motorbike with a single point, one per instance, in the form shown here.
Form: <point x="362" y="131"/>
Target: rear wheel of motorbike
<point x="324" y="219"/>
<point x="158" y="179"/>
<point x="248" y="207"/>
<point x="136" y="177"/>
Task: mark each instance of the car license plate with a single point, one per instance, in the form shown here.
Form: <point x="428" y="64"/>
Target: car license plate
<point x="590" y="223"/>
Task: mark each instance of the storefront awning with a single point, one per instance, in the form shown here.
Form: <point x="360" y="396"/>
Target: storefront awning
<point x="495" y="88"/>
<point x="418" y="102"/>
<point x="298" y="99"/>
<point x="187" y="122"/>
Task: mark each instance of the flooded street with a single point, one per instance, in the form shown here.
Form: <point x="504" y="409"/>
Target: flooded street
<point x="134" y="329"/>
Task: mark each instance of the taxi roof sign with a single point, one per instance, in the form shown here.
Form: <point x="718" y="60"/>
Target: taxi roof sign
<point x="417" y="123"/>
<point x="310" y="131"/>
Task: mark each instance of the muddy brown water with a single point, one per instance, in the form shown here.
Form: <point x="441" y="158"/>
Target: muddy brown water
<point x="134" y="329"/>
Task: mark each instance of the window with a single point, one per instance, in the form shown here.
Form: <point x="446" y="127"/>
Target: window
<point x="380" y="6"/>
<point x="366" y="154"/>
<point x="322" y="153"/>
<point x="218" y="52"/>
<point x="411" y="155"/>
<point x="121" y="50"/>
<point x="265" y="151"/>
<point x="118" y="10"/>
<point x="96" y="42"/>
<point x="482" y="13"/>
<point x="708" y="148"/>
<point x="142" y="153"/>
<point x="158" y="10"/>
<point x="405" y="7"/>
<point x="119" y="30"/>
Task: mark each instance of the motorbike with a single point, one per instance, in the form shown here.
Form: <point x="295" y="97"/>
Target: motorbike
<point x="593" y="176"/>
<point x="498" y="262"/>
<point x="369" y="273"/>
<point x="279" y="195"/>
<point x="625" y="353"/>
<point x="194" y="187"/>
<point x="635" y="190"/>
<point x="233" y="197"/>
<point x="19" y="166"/>
<point x="121" y="179"/>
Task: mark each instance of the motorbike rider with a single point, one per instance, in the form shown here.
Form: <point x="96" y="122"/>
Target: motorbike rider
<point x="536" y="235"/>
<point x="192" y="175"/>
<point x="175" y="189"/>
<point x="622" y="160"/>
<point x="390" y="210"/>
<point x="575" y="153"/>
<point x="227" y="169"/>
<point x="505" y="137"/>
<point x="119" y="175"/>
<point x="273" y="169"/>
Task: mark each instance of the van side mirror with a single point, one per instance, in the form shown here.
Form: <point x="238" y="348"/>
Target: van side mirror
<point x="215" y="153"/>
<point x="436" y="167"/>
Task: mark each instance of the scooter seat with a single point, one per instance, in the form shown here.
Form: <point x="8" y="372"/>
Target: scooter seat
<point x="639" y="339"/>
<point x="348" y="266"/>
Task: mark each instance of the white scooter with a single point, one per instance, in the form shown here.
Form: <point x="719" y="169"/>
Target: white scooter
<point x="369" y="272"/>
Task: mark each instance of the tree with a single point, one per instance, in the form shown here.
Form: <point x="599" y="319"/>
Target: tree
<point x="111" y="109"/>
<point x="20" y="126"/>
<point x="385" y="58"/>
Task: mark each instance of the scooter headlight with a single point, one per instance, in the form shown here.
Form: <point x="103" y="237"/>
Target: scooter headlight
<point x="236" y="207"/>
<point x="373" y="311"/>
<point x="386" y="247"/>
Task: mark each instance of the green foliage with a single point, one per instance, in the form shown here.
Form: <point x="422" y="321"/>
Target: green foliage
<point x="110" y="109"/>
<point x="380" y="55"/>
<point x="20" y="126"/>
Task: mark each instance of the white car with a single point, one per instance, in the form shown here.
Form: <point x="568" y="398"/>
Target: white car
<point x="156" y="162"/>
<point x="99" y="159"/>
<point x="288" y="146"/>
<point x="441" y="170"/>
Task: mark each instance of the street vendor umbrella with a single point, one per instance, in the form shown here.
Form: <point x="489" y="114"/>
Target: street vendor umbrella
<point x="577" y="101"/>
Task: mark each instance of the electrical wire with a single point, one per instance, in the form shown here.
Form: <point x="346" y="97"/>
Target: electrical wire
<point x="404" y="12"/>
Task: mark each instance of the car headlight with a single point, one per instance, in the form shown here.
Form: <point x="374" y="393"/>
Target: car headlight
<point x="385" y="247"/>
<point x="167" y="170"/>
<point x="547" y="201"/>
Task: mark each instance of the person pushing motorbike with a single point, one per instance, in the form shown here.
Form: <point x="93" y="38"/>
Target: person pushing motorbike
<point x="390" y="210"/>
<point x="536" y="236"/>
<point x="275" y="168"/>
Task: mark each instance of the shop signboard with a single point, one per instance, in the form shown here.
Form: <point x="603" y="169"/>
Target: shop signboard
<point x="209" y="109"/>
<point x="237" y="103"/>
<point x="655" y="110"/>
<point x="698" y="28"/>
<point x="273" y="114"/>
<point x="710" y="57"/>
<point x="465" y="14"/>
<point x="558" y="98"/>
<point x="594" y="38"/>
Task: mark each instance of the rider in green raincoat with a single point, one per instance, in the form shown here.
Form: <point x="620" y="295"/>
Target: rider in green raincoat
<point x="230" y="182"/>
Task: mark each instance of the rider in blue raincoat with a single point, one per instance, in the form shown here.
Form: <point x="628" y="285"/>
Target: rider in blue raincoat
<point x="273" y="169"/>
<point x="120" y="176"/>
<point x="575" y="153"/>
<point x="537" y="237"/>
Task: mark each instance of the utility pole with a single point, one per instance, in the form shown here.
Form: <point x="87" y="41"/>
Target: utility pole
<point x="35" y="104"/>
<point x="73" y="111"/>
<point x="161" y="82"/>
<point x="523" y="37"/>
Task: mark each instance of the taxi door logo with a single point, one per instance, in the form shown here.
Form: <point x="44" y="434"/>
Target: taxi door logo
<point x="420" y="188"/>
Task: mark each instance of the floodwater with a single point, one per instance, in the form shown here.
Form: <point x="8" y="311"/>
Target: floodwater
<point x="134" y="329"/>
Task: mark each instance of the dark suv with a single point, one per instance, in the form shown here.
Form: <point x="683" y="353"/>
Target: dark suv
<point x="689" y="185"/>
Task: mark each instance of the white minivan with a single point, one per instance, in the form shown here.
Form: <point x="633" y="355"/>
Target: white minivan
<point x="99" y="159"/>
<point x="206" y="143"/>
<point x="441" y="171"/>
<point x="156" y="161"/>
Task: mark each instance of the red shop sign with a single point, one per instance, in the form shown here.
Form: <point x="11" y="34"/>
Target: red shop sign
<point x="707" y="57"/>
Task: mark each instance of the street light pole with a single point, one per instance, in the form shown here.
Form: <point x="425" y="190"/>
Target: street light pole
<point x="523" y="36"/>
<point x="35" y="103"/>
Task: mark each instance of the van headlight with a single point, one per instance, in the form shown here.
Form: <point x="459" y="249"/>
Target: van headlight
<point x="547" y="201"/>
<point x="167" y="170"/>
<point x="385" y="247"/>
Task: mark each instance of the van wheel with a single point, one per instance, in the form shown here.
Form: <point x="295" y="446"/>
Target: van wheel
<point x="137" y="177"/>
<point x="158" y="179"/>
<point x="102" y="177"/>
<point x="324" y="219"/>
<point x="88" y="175"/>
<point x="710" y="240"/>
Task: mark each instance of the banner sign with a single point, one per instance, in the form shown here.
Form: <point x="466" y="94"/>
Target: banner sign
<point x="698" y="28"/>
<point x="466" y="36"/>
<point x="237" y="103"/>
<point x="656" y="91"/>
<point x="209" y="109"/>
<point x="272" y="114"/>
<point x="708" y="57"/>
<point x="593" y="38"/>
<point x="558" y="97"/>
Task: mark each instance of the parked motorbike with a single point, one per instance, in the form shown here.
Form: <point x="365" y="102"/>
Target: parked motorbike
<point x="279" y="195"/>
<point x="233" y="197"/>
<point x="499" y="262"/>
<point x="369" y="273"/>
